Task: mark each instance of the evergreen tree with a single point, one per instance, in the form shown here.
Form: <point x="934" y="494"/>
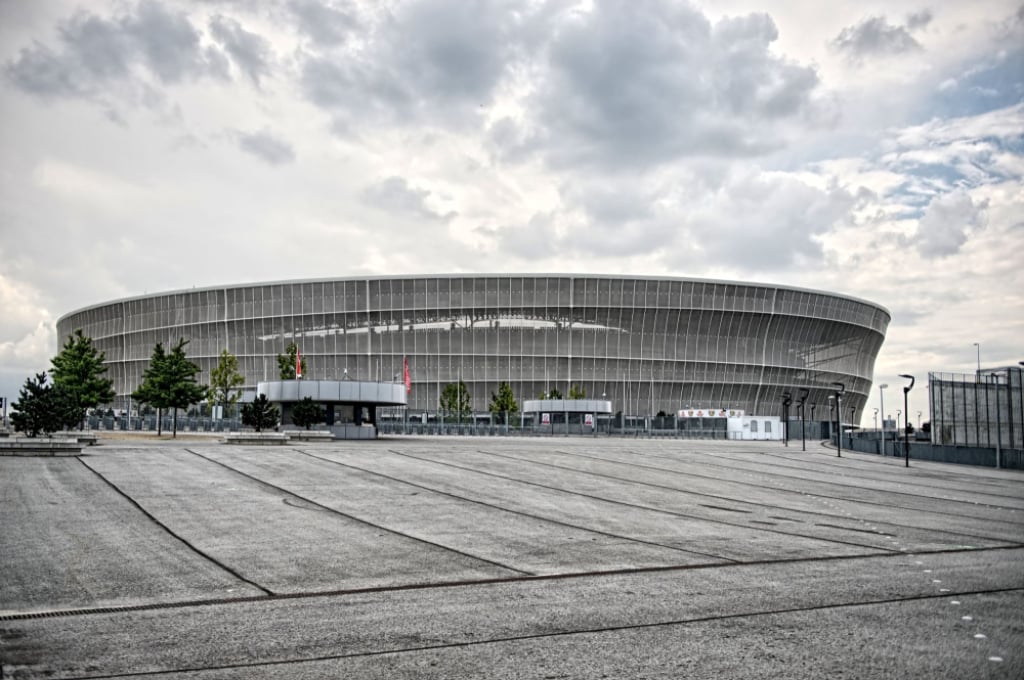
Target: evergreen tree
<point x="503" y="403"/>
<point x="183" y="388"/>
<point x="170" y="382"/>
<point x="259" y="414"/>
<point x="78" y="370"/>
<point x="152" y="389"/>
<point x="307" y="412"/>
<point x="576" y="392"/>
<point x="225" y="381"/>
<point x="44" y="408"/>
<point x="286" y="362"/>
<point x="554" y="393"/>
<point x="455" y="400"/>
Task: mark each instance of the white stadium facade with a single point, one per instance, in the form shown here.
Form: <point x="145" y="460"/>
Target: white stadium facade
<point x="645" y="344"/>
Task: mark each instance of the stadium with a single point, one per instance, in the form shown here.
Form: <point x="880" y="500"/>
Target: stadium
<point x="645" y="344"/>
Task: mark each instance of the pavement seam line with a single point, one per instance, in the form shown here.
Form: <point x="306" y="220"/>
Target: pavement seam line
<point x="549" y="635"/>
<point x="818" y="481"/>
<point x="516" y="512"/>
<point x="973" y="480"/>
<point x="757" y="486"/>
<point x="642" y="507"/>
<point x="565" y="576"/>
<point x="357" y="519"/>
<point x="169" y="531"/>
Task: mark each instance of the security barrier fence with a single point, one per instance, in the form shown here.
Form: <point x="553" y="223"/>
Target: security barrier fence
<point x="985" y="409"/>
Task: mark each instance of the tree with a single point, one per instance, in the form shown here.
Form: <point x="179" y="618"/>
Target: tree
<point x="576" y="392"/>
<point x="170" y="382"/>
<point x="286" y="362"/>
<point x="44" y="408"/>
<point x="553" y="393"/>
<point x="151" y="391"/>
<point x="503" y="403"/>
<point x="259" y="414"/>
<point x="455" y="400"/>
<point x="78" y="370"/>
<point x="225" y="380"/>
<point x="307" y="412"/>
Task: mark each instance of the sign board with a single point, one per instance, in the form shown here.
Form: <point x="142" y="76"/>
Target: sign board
<point x="711" y="413"/>
<point x="588" y="419"/>
<point x="545" y="418"/>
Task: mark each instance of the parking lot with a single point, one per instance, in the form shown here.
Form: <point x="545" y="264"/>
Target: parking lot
<point x="507" y="558"/>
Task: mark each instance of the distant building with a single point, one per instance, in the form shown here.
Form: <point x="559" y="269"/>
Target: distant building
<point x="645" y="344"/>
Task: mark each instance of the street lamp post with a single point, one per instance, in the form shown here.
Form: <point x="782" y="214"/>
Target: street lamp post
<point x="977" y="377"/>
<point x="906" y="418"/>
<point x="787" y="399"/>
<point x="839" y="418"/>
<point x="876" y="427"/>
<point x="831" y="411"/>
<point x="919" y="420"/>
<point x="814" y="406"/>
<point x="881" y="404"/>
<point x="803" y="421"/>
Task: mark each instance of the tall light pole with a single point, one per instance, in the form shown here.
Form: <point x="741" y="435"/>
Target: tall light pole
<point x="906" y="418"/>
<point x="839" y="417"/>
<point x="787" y="399"/>
<point x="919" y="420"/>
<point x="876" y="426"/>
<point x="977" y="345"/>
<point x="803" y="421"/>
<point x="881" y="404"/>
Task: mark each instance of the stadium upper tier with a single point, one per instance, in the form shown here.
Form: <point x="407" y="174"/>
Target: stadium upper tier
<point x="646" y="344"/>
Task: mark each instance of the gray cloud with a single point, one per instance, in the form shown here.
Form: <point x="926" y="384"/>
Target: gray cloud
<point x="919" y="19"/>
<point x="759" y="222"/>
<point x="631" y="85"/>
<point x="947" y="222"/>
<point x="249" y="51"/>
<point x="875" y="36"/>
<point x="324" y="23"/>
<point x="395" y="195"/>
<point x="433" y="61"/>
<point x="266" y="146"/>
<point x="95" y="52"/>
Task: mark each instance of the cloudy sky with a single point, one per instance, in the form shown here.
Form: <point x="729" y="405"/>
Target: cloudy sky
<point x="870" y="148"/>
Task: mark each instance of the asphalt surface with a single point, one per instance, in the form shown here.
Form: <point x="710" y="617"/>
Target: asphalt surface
<point x="507" y="558"/>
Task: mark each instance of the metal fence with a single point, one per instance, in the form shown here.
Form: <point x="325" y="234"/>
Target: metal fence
<point x="985" y="409"/>
<point x="148" y="423"/>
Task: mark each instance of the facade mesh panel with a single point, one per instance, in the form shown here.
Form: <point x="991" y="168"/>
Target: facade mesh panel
<point x="646" y="344"/>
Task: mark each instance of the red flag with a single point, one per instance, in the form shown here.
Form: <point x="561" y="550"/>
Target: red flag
<point x="298" y="364"/>
<point x="406" y="378"/>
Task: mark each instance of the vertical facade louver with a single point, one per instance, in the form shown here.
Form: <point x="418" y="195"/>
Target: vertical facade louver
<point x="646" y="344"/>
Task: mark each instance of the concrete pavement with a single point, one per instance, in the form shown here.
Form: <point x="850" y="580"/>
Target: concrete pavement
<point x="491" y="557"/>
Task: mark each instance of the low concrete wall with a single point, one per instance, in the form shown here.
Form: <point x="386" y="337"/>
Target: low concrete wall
<point x="350" y="431"/>
<point x="310" y="435"/>
<point x="256" y="438"/>
<point x="1012" y="459"/>
<point x="39" y="446"/>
